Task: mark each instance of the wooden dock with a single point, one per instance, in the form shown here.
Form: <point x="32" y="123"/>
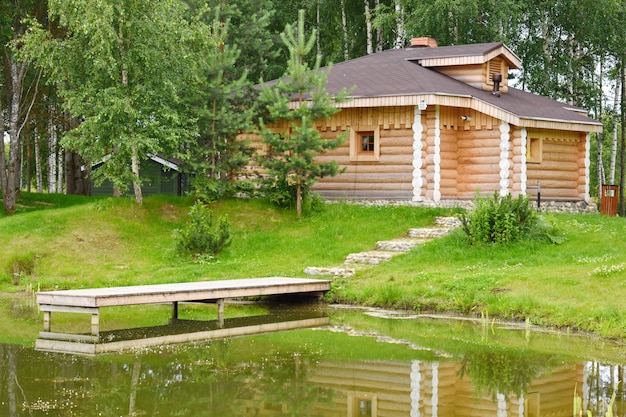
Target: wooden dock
<point x="89" y="301"/>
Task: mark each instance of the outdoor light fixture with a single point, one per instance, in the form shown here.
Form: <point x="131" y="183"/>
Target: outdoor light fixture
<point x="466" y="118"/>
<point x="422" y="105"/>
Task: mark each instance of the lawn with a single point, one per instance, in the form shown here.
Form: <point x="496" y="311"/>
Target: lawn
<point x="76" y="243"/>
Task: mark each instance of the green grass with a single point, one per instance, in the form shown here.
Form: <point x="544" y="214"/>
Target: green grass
<point x="73" y="242"/>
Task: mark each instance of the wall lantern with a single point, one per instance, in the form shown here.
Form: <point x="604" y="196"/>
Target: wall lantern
<point x="422" y="105"/>
<point x="466" y="118"/>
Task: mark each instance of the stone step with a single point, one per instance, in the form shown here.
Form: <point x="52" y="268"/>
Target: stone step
<point x="398" y="245"/>
<point x="428" y="232"/>
<point x="371" y="257"/>
<point x="448" y="222"/>
<point x="335" y="272"/>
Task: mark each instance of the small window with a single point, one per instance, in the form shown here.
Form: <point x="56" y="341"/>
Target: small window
<point x="361" y="404"/>
<point x="534" y="150"/>
<point x="365" y="144"/>
<point x="368" y="142"/>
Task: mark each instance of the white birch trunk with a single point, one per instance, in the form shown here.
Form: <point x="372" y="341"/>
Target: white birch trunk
<point x="379" y="32"/>
<point x="368" y="27"/>
<point x="615" y="129"/>
<point x="52" y="155"/>
<point x="400" y="31"/>
<point x="344" y="26"/>
<point x="38" y="173"/>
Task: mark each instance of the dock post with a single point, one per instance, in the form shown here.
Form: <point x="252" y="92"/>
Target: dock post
<point x="175" y="310"/>
<point x="220" y="312"/>
<point x="47" y="316"/>
<point x="95" y="324"/>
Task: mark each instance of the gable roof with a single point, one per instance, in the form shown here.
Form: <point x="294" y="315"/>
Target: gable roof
<point x="463" y="55"/>
<point x="400" y="77"/>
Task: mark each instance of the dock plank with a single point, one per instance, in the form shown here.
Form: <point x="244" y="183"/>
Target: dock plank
<point x="184" y="291"/>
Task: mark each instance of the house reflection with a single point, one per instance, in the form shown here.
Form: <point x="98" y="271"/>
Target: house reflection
<point x="438" y="389"/>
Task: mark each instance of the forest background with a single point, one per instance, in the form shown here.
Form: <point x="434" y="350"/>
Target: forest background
<point x="82" y="80"/>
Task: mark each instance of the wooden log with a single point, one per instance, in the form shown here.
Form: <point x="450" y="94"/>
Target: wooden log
<point x="543" y="175"/>
<point x="480" y="178"/>
<point x="355" y="169"/>
<point x="481" y="151"/>
<point x="342" y="186"/>
<point x="372" y="178"/>
<point x="396" y="150"/>
<point x="472" y="162"/>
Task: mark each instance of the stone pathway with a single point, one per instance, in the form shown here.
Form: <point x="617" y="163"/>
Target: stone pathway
<point x="385" y="250"/>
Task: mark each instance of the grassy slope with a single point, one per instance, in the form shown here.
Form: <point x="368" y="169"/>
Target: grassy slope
<point x="581" y="283"/>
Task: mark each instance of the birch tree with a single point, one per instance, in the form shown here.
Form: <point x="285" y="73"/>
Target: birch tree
<point x="120" y="68"/>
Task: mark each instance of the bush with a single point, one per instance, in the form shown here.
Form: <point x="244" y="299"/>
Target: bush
<point x="499" y="219"/>
<point x="203" y="235"/>
<point x="21" y="265"/>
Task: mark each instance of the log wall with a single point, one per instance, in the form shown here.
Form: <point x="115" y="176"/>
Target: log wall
<point x="562" y="167"/>
<point x="388" y="178"/>
<point x="468" y="161"/>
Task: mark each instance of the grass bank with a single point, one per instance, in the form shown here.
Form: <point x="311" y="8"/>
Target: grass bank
<point x="77" y="243"/>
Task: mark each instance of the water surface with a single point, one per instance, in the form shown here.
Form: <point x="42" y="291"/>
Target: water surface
<point x="364" y="363"/>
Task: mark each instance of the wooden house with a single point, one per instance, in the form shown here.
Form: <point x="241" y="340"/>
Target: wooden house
<point x="431" y="124"/>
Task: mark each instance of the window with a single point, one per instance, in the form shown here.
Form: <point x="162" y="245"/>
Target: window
<point x="361" y="404"/>
<point x="534" y="150"/>
<point x="365" y="144"/>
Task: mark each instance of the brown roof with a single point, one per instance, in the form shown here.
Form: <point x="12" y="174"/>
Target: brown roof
<point x="397" y="73"/>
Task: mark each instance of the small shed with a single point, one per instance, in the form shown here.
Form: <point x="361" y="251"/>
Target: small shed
<point x="429" y="124"/>
<point x="162" y="176"/>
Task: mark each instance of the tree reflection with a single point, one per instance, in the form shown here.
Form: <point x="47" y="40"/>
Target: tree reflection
<point x="497" y="371"/>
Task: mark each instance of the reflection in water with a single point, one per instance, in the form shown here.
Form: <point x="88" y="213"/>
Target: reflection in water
<point x="291" y="374"/>
<point x="372" y="367"/>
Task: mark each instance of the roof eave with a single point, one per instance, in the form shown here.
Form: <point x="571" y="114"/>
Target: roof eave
<point x="468" y="101"/>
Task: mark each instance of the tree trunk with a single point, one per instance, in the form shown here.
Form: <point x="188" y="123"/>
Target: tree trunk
<point x="11" y="182"/>
<point x="135" y="170"/>
<point x="52" y="153"/>
<point x="28" y="159"/>
<point x="600" y="163"/>
<point x="616" y="108"/>
<point x="368" y="27"/>
<point x="344" y="27"/>
<point x="400" y="32"/>
<point x="38" y="173"/>
<point x="379" y="32"/>
<point x="623" y="144"/>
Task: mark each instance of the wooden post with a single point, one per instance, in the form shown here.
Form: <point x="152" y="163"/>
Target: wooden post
<point x="95" y="324"/>
<point x="175" y="310"/>
<point x="220" y="312"/>
<point x="47" y="315"/>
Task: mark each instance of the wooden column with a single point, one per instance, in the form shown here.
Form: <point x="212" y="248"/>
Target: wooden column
<point x="95" y="324"/>
<point x="175" y="310"/>
<point x="220" y="312"/>
<point x="47" y="316"/>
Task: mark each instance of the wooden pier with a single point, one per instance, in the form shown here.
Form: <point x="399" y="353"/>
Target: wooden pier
<point x="89" y="301"/>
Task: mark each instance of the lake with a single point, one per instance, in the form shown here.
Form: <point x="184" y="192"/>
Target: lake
<point x="364" y="362"/>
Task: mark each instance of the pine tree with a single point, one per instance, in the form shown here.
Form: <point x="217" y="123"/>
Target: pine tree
<point x="298" y="99"/>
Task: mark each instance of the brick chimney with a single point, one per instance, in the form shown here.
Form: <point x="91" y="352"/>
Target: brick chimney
<point x="424" y="42"/>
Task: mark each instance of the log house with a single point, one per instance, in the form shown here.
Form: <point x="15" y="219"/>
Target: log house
<point x="429" y="123"/>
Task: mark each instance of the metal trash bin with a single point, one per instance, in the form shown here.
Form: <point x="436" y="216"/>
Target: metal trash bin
<point x="608" y="200"/>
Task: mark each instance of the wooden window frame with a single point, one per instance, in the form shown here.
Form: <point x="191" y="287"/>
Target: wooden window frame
<point x="357" y="154"/>
<point x="534" y="150"/>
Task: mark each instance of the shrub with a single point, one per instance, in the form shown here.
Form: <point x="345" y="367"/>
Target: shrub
<point x="499" y="219"/>
<point x="21" y="265"/>
<point x="203" y="234"/>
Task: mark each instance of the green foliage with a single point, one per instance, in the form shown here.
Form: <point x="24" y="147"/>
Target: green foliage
<point x="203" y="235"/>
<point x="290" y="163"/>
<point x="121" y="67"/>
<point x="499" y="219"/>
<point x="20" y="265"/>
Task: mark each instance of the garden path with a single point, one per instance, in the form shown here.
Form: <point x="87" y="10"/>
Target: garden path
<point x="387" y="249"/>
